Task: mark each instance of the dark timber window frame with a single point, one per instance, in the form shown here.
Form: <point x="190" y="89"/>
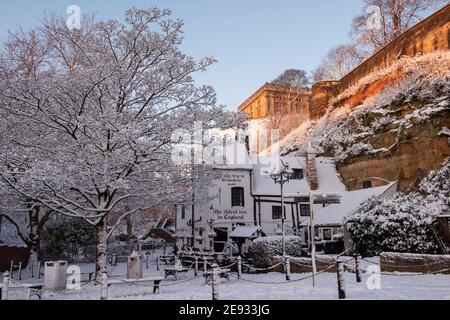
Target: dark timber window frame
<point x="183" y="212"/>
<point x="298" y="174"/>
<point x="237" y="197"/>
<point x="277" y="212"/>
<point x="305" y="210"/>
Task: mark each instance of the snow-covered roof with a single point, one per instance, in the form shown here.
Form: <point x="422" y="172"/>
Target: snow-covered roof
<point x="244" y="232"/>
<point x="327" y="176"/>
<point x="333" y="214"/>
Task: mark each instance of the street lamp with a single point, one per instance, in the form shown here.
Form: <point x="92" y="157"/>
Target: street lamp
<point x="282" y="177"/>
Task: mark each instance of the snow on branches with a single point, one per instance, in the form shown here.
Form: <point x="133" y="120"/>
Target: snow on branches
<point x="93" y="112"/>
<point x="402" y="223"/>
<point x="437" y="187"/>
<point x="423" y="93"/>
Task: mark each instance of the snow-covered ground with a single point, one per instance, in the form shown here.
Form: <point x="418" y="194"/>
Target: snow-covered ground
<point x="402" y="286"/>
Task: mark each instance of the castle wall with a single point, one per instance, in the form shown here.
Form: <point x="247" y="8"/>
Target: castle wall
<point x="431" y="34"/>
<point x="321" y="94"/>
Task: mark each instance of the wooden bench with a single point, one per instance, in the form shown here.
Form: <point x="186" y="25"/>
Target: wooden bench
<point x="167" y="259"/>
<point x="34" y="289"/>
<point x="89" y="274"/>
<point x="223" y="274"/>
<point x="156" y="281"/>
<point x="174" y="272"/>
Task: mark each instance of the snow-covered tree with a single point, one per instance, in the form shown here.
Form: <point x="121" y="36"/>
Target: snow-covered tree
<point x="384" y="20"/>
<point x="401" y="223"/>
<point x="99" y="106"/>
<point x="293" y="78"/>
<point x="338" y="62"/>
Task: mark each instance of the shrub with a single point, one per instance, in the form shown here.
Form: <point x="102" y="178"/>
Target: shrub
<point x="401" y="223"/>
<point x="66" y="238"/>
<point x="264" y="249"/>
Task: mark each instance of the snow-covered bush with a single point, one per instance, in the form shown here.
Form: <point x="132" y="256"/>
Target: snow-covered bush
<point x="400" y="223"/>
<point x="264" y="249"/>
<point x="66" y="238"/>
<point x="437" y="187"/>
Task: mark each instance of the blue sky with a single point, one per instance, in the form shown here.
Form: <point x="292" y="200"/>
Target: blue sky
<point x="253" y="40"/>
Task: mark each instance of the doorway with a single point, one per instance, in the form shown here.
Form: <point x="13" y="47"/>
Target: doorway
<point x="221" y="239"/>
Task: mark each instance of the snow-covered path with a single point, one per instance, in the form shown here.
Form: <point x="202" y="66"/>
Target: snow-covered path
<point x="423" y="287"/>
<point x="392" y="287"/>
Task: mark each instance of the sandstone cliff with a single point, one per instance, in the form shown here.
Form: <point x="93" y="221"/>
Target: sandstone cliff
<point x="400" y="133"/>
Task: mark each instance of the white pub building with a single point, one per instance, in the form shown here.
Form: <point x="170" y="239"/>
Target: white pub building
<point x="246" y="202"/>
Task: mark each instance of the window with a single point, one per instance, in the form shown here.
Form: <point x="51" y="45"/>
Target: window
<point x="183" y="212"/>
<point x="304" y="210"/>
<point x="326" y="234"/>
<point x="237" y="197"/>
<point x="276" y="212"/>
<point x="367" y="184"/>
<point x="297" y="174"/>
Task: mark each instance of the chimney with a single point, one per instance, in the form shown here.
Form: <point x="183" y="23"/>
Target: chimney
<point x="311" y="168"/>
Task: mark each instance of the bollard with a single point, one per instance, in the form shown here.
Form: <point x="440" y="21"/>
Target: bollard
<point x="196" y="266"/>
<point x="114" y="260"/>
<point x="147" y="259"/>
<point x="205" y="265"/>
<point x="105" y="287"/>
<point x="357" y="269"/>
<point x="288" y="269"/>
<point x="340" y="278"/>
<point x="39" y="270"/>
<point x="20" y="271"/>
<point x="157" y="263"/>
<point x="239" y="266"/>
<point x="215" y="282"/>
<point x="6" y="279"/>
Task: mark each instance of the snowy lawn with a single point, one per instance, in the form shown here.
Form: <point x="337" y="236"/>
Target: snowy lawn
<point x="402" y="286"/>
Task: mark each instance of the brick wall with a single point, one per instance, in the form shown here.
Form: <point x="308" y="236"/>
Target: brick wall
<point x="16" y="254"/>
<point x="420" y="263"/>
<point x="321" y="93"/>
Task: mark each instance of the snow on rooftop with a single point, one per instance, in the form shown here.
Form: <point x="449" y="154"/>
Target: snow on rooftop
<point x="328" y="177"/>
<point x="350" y="200"/>
<point x="244" y="232"/>
<point x="264" y="184"/>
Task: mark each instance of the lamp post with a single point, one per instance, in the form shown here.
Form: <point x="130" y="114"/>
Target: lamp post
<point x="282" y="177"/>
<point x="329" y="198"/>
<point x="212" y="233"/>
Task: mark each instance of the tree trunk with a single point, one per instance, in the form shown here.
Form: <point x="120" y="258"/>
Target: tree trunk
<point x="34" y="237"/>
<point x="34" y="259"/>
<point x="101" y="245"/>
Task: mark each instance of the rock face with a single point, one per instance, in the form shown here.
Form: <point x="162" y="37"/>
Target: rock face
<point x="420" y="149"/>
